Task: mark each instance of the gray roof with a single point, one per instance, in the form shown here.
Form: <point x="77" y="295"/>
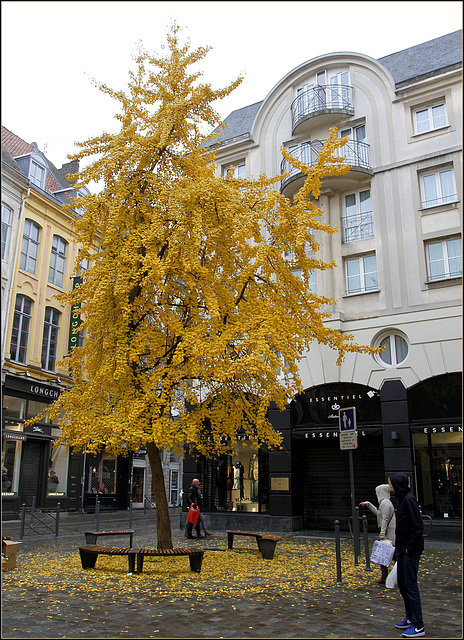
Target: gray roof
<point x="418" y="62"/>
<point x="426" y="59"/>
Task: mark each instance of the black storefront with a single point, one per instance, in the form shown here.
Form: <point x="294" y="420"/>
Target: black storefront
<point x="32" y="468"/>
<point x="306" y="485"/>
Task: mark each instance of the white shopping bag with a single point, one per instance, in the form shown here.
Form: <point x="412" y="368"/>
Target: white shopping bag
<point x="383" y="552"/>
<point x="392" y="580"/>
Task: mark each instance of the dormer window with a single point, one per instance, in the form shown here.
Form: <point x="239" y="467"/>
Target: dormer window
<point x="37" y="174"/>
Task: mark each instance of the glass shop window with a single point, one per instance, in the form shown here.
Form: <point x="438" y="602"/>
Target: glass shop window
<point x="14" y="408"/>
<point x="102" y="476"/>
<point x="57" y="470"/>
<point x="11" y="459"/>
<point x="438" y="458"/>
<point x="236" y="481"/>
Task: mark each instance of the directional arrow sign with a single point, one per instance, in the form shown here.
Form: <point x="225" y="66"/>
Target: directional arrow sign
<point x="347" y="419"/>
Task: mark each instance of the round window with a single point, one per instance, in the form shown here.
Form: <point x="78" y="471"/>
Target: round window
<point x="395" y="348"/>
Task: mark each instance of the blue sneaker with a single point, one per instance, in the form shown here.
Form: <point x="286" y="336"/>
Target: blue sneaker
<point x="404" y="624"/>
<point x="413" y="632"/>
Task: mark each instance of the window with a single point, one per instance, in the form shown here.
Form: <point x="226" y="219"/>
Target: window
<point x="30" y="247"/>
<point x="57" y="261"/>
<point x="438" y="188"/>
<point x="356" y="148"/>
<point x="239" y="170"/>
<point x="444" y="259"/>
<point x="361" y="274"/>
<point x="37" y="175"/>
<point x="50" y="338"/>
<point x="394" y="347"/>
<point x="21" y="327"/>
<point x="430" y="118"/>
<point x="7" y="215"/>
<point x="357" y="223"/>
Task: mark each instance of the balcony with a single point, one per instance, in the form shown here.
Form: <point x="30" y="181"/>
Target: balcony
<point x="326" y="102"/>
<point x="355" y="153"/>
<point x="358" y="227"/>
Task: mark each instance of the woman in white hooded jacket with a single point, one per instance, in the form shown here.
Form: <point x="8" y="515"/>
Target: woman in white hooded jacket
<point x="386" y="520"/>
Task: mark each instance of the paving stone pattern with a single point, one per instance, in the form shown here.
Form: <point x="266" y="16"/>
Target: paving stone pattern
<point x="363" y="612"/>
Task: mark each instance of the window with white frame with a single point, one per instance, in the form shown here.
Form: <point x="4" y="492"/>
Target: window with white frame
<point x="361" y="274"/>
<point x="438" y="187"/>
<point x="312" y="279"/>
<point x="21" y="328"/>
<point x="444" y="259"/>
<point x="57" y="261"/>
<point x="238" y="170"/>
<point x="30" y="247"/>
<point x="50" y="338"/>
<point x="430" y="118"/>
<point x="37" y="174"/>
<point x="7" y="217"/>
<point x="395" y="348"/>
<point x="357" y="221"/>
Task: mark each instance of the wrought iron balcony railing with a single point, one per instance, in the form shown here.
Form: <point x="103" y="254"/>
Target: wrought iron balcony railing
<point x="358" y="227"/>
<point x="355" y="153"/>
<point x="321" y="98"/>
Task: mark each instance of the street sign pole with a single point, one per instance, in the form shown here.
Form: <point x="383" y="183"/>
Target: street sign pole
<point x="349" y="441"/>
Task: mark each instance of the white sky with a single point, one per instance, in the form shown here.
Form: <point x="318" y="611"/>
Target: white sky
<point x="51" y="50"/>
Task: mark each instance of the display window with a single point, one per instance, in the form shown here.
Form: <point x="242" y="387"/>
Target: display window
<point x="11" y="460"/>
<point x="57" y="470"/>
<point x="102" y="476"/>
<point x="438" y="461"/>
<point x="234" y="481"/>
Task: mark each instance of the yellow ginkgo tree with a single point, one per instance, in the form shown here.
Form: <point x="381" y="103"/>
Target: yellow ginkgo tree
<point x="192" y="306"/>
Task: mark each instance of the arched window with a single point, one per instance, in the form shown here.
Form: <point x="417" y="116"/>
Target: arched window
<point x="50" y="338"/>
<point x="21" y="327"/>
<point x="57" y="261"/>
<point x="30" y="247"/>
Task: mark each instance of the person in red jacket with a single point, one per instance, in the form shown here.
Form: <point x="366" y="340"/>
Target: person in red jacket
<point x="409" y="545"/>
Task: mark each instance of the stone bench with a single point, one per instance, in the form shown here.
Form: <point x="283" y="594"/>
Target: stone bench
<point x="266" y="542"/>
<point x="91" y="536"/>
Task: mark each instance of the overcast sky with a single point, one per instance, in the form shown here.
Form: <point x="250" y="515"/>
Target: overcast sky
<point x="51" y="50"/>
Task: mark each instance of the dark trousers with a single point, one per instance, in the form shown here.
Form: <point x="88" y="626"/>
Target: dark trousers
<point x="408" y="566"/>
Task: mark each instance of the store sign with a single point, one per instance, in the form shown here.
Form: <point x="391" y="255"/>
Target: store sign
<point x="443" y="429"/>
<point x="44" y="391"/>
<point x="321" y="405"/>
<point x="13" y="436"/>
<point x="75" y="321"/>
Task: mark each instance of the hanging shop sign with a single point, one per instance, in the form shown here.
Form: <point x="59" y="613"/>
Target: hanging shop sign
<point x="75" y="320"/>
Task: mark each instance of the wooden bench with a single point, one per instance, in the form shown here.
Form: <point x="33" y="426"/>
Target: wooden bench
<point x="266" y="542"/>
<point x="195" y="556"/>
<point x="89" y="554"/>
<point x="91" y="536"/>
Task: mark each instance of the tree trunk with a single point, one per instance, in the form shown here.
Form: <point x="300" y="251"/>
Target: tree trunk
<point x="163" y="522"/>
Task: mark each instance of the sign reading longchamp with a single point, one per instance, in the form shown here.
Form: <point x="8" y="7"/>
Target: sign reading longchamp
<point x="75" y="320"/>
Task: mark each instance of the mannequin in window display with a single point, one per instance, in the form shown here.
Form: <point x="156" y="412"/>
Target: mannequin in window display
<point x="238" y="477"/>
<point x="253" y="477"/>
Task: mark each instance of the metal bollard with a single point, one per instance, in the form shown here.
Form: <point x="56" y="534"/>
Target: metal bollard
<point x="97" y="514"/>
<point x="33" y="509"/>
<point x="130" y="514"/>
<point x="337" y="552"/>
<point x="145" y="506"/>
<point x="57" y="522"/>
<point x="366" y="544"/>
<point x="23" y="519"/>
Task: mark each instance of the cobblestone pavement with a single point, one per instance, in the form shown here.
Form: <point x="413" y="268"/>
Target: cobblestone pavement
<point x="32" y="609"/>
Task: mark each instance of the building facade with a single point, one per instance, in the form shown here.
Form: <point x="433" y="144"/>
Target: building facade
<point x="397" y="284"/>
<point x="38" y="256"/>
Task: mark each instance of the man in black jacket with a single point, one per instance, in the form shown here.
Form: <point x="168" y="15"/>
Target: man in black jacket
<point x="409" y="545"/>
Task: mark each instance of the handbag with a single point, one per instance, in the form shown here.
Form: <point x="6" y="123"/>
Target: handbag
<point x="382" y="552"/>
<point x="193" y="514"/>
<point x="392" y="579"/>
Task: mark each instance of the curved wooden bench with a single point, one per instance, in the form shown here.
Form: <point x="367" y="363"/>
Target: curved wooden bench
<point x="195" y="556"/>
<point x="89" y="554"/>
<point x="266" y="542"/>
<point x="91" y="536"/>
